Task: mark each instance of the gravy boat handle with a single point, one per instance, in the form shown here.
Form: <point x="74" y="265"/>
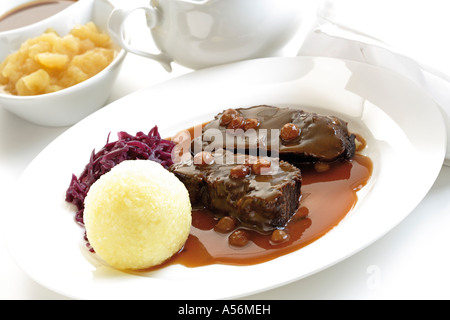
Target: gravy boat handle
<point x="116" y="27"/>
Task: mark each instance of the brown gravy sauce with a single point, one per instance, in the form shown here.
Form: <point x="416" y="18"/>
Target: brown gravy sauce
<point x="32" y="12"/>
<point x="326" y="199"/>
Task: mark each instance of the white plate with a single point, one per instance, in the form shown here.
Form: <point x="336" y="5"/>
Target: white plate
<point x="406" y="141"/>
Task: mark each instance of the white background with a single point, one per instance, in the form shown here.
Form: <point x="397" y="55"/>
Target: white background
<point x="410" y="262"/>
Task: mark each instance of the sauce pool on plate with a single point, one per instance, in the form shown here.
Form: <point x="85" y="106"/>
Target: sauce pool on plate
<point x="327" y="197"/>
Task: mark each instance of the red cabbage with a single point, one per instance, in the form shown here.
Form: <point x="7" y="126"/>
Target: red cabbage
<point x="128" y="147"/>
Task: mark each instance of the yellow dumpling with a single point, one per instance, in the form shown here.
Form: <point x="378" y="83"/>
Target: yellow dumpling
<point x="137" y="215"/>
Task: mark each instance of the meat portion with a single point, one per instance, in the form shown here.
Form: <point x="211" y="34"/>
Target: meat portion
<point x="261" y="193"/>
<point x="293" y="135"/>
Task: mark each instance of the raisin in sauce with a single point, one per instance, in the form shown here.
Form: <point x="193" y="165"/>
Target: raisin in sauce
<point x="337" y="186"/>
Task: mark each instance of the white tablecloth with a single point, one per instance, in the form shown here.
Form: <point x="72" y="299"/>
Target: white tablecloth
<point x="409" y="37"/>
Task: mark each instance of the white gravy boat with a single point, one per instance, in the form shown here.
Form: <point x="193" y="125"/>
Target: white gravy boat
<point x="203" y="33"/>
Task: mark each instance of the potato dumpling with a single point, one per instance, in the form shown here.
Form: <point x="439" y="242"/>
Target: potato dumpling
<point x="50" y="63"/>
<point x="137" y="215"/>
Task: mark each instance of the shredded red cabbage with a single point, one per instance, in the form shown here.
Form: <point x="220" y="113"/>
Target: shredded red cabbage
<point x="128" y="147"/>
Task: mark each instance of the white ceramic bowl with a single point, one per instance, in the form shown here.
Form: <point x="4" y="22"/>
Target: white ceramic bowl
<point x="68" y="106"/>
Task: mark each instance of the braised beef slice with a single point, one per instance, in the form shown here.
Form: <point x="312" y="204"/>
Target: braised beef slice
<point x="321" y="138"/>
<point x="262" y="202"/>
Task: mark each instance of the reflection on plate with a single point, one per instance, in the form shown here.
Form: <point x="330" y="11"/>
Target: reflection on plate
<point x="406" y="141"/>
